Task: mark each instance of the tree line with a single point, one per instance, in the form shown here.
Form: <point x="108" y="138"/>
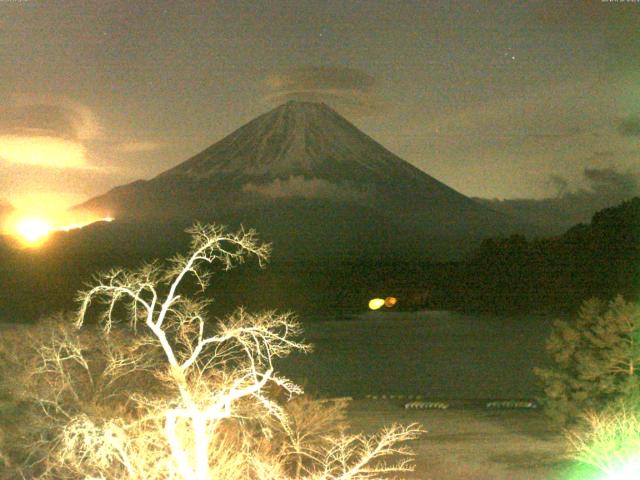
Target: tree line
<point x="599" y="259"/>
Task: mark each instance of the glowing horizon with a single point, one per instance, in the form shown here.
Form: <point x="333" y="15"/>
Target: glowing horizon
<point x="32" y="231"/>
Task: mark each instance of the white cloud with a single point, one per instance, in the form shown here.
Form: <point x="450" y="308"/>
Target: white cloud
<point x="46" y="116"/>
<point x="45" y="131"/>
<point x="43" y="151"/>
<point x="301" y="187"/>
<point x="348" y="90"/>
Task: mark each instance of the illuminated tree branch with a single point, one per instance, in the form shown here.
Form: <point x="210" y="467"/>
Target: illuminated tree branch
<point x="210" y="377"/>
<point x="258" y="338"/>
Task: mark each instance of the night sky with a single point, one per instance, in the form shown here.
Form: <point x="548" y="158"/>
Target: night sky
<point x="496" y="99"/>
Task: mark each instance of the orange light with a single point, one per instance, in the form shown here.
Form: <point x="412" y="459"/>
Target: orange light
<point x="75" y="226"/>
<point x="33" y="231"/>
<point x="390" y="302"/>
<point x="43" y="150"/>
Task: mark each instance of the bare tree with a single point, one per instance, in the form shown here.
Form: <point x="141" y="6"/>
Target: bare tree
<point x="209" y="377"/>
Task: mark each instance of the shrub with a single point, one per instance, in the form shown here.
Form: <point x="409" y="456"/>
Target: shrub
<point x="596" y="360"/>
<point x="609" y="441"/>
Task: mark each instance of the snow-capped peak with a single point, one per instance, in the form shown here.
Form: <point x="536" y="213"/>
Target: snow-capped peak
<point x="295" y="139"/>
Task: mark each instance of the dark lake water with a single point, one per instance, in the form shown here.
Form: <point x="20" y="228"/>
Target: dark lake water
<point x="439" y="355"/>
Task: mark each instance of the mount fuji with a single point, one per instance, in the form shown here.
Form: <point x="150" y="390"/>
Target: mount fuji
<point x="312" y="183"/>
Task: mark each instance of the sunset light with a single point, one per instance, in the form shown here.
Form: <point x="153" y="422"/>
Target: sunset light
<point x="74" y="226"/>
<point x="33" y="231"/>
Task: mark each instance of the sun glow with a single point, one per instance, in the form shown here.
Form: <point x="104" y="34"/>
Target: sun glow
<point x="33" y="231"/>
<point x="75" y="226"/>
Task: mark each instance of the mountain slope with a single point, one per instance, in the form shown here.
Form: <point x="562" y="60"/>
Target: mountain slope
<point x="303" y="166"/>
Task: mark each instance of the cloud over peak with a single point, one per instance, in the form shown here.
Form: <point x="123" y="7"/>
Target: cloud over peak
<point x="321" y="78"/>
<point x="345" y="89"/>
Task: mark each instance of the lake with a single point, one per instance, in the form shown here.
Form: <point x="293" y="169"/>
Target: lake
<point x="437" y="354"/>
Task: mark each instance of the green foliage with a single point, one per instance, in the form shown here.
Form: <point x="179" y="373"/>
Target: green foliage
<point x="596" y="359"/>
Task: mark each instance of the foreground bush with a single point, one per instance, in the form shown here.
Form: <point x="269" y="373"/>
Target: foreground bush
<point x="609" y="441"/>
<point x="596" y="360"/>
<point x="158" y="392"/>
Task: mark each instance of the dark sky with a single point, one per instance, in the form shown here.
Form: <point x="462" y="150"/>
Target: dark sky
<point x="497" y="99"/>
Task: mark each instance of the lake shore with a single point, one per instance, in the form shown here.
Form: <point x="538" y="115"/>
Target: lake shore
<point x="473" y="444"/>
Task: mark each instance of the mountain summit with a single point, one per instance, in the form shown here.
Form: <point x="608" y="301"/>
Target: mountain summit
<point x="303" y="171"/>
<point x="298" y="139"/>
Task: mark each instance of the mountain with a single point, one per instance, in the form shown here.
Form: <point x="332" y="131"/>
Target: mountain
<point x="314" y="184"/>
